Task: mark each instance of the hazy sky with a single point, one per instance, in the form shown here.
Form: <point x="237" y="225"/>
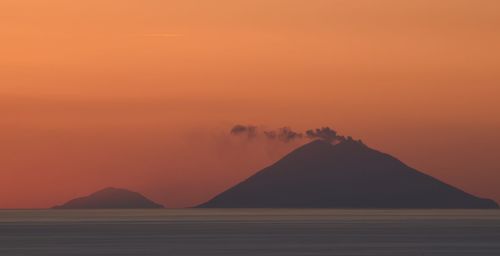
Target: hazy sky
<point x="140" y="93"/>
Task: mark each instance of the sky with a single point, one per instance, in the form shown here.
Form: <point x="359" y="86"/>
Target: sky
<point x="141" y="94"/>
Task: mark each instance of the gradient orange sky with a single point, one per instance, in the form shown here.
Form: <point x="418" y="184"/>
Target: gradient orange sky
<point x="140" y="93"/>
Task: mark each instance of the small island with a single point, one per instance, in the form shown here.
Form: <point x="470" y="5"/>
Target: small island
<point x="111" y="198"/>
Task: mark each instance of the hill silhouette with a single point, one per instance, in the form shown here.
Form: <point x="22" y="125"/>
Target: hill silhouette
<point x="111" y="198"/>
<point x="345" y="175"/>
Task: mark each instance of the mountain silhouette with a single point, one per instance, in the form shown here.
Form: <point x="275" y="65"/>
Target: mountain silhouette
<point x="345" y="175"/>
<point x="111" y="198"/>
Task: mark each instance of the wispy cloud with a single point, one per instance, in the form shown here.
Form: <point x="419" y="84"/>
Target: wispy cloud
<point x="159" y="35"/>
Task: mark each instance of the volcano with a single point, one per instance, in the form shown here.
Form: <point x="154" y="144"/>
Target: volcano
<point x="345" y="175"/>
<point x="111" y="198"/>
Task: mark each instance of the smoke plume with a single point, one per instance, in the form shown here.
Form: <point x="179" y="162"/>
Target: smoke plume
<point x="284" y="134"/>
<point x="287" y="134"/>
<point x="325" y="133"/>
<point x="248" y="130"/>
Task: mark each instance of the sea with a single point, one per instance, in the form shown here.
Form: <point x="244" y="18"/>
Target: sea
<point x="269" y="232"/>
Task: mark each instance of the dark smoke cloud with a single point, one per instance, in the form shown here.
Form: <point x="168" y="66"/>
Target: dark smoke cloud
<point x="286" y="134"/>
<point x="248" y="130"/>
<point x="325" y="133"/>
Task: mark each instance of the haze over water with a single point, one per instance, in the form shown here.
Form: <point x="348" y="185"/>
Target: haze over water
<point x="250" y="232"/>
<point x="136" y="93"/>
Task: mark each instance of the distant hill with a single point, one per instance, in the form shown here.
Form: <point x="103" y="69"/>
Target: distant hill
<point x="111" y="198"/>
<point x="345" y="175"/>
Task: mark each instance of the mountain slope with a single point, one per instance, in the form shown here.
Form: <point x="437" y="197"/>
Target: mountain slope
<point x="111" y="198"/>
<point x="346" y="175"/>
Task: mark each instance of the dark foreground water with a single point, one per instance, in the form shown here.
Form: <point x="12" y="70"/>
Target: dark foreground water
<point x="250" y="232"/>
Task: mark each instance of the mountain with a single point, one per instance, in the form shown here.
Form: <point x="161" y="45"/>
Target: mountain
<point x="345" y="175"/>
<point x="111" y="198"/>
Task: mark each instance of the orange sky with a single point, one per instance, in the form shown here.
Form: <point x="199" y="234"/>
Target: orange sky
<point x="139" y="93"/>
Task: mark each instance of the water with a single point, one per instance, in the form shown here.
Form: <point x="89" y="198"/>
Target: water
<point x="250" y="232"/>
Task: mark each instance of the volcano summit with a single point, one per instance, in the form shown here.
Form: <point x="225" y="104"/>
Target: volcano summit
<point x="345" y="175"/>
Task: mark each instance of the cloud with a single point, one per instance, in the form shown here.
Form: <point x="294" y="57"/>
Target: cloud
<point x="160" y="35"/>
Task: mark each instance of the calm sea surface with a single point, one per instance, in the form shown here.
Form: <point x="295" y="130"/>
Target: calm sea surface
<point x="250" y="232"/>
